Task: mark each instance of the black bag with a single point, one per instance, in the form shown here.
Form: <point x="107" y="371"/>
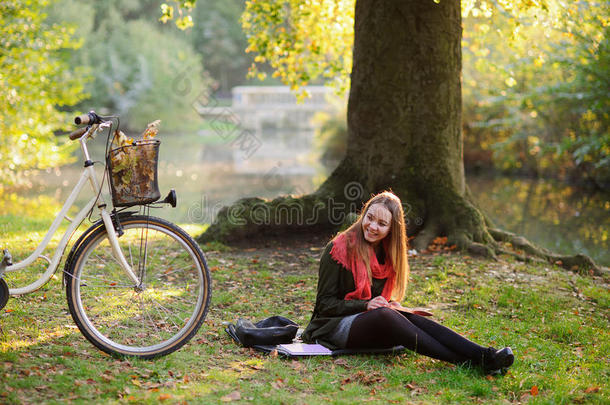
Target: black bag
<point x="270" y="331"/>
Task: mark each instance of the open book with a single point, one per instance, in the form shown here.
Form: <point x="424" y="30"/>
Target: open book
<point x="416" y="311"/>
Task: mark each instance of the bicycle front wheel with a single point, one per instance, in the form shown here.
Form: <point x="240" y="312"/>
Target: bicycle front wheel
<point x="153" y="317"/>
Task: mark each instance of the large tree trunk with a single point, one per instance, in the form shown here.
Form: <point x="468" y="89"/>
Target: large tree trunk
<point x="404" y="134"/>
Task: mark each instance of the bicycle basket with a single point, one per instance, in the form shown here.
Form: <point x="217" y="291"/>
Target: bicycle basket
<point x="133" y="173"/>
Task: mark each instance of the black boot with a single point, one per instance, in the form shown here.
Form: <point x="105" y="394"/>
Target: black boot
<point x="498" y="361"/>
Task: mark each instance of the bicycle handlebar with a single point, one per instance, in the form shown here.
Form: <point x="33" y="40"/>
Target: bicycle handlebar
<point x="78" y="133"/>
<point x="82" y="119"/>
<point x="90" y="118"/>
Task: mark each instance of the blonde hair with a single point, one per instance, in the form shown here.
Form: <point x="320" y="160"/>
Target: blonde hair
<point x="397" y="243"/>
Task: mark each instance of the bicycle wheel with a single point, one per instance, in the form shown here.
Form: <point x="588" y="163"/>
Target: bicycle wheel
<point x="153" y="318"/>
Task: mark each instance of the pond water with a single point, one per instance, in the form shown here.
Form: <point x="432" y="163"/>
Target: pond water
<point x="208" y="173"/>
<point x="559" y="217"/>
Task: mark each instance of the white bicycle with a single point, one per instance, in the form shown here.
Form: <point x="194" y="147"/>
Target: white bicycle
<point x="136" y="285"/>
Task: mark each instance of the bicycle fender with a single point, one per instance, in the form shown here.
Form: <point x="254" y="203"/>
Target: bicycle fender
<point x="83" y="236"/>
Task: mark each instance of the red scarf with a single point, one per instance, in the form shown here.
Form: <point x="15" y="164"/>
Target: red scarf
<point x="358" y="269"/>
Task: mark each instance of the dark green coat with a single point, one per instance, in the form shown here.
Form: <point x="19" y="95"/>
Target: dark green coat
<point x="334" y="282"/>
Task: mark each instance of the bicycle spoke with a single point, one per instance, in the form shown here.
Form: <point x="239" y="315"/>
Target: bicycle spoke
<point x="153" y="323"/>
<point x="167" y="313"/>
<point x="175" y="271"/>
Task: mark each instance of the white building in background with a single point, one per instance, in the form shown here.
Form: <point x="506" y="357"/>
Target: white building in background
<point x="261" y="107"/>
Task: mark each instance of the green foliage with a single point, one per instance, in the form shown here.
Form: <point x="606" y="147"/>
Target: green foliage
<point x="301" y="40"/>
<point x="143" y="74"/>
<point x="184" y="19"/>
<point x="36" y="83"/>
<point x="535" y="90"/>
<point x="217" y="36"/>
<point x="141" y="70"/>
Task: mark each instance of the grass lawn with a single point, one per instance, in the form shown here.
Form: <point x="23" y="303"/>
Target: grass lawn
<point x="555" y="321"/>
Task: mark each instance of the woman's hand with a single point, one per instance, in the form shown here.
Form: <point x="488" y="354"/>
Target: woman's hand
<point x="377" y="302"/>
<point x="394" y="304"/>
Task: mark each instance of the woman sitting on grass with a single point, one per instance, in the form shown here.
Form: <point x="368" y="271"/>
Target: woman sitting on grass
<point x="362" y="279"/>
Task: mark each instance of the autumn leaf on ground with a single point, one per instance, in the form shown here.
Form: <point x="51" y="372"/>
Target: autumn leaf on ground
<point x="365" y="378"/>
<point x="534" y="390"/>
<point x="341" y="362"/>
<point x="234" y="396"/>
<point x="415" y="390"/>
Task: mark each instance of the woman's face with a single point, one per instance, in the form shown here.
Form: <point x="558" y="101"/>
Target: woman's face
<point x="376" y="223"/>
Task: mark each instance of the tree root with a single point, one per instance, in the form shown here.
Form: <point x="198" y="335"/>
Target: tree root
<point x="481" y="249"/>
<point x="425" y="236"/>
<point x="579" y="262"/>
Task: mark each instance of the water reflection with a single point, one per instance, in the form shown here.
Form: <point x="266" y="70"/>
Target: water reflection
<point x="562" y="218"/>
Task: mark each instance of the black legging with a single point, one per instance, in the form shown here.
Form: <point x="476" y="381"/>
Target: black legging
<point x="385" y="327"/>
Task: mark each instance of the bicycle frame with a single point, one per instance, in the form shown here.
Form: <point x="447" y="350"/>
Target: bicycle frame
<point x="88" y="176"/>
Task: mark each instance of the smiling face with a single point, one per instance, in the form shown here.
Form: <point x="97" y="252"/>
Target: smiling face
<point x="376" y="223"/>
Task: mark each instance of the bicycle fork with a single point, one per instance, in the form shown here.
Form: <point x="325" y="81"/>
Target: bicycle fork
<point x="116" y="249"/>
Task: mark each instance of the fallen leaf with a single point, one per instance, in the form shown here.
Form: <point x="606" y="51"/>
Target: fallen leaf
<point x="107" y="378"/>
<point x="592" y="389"/>
<point x="296" y="365"/>
<point x="341" y="362"/>
<point x="164" y="397"/>
<point x="534" y="390"/>
<point x="234" y="396"/>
